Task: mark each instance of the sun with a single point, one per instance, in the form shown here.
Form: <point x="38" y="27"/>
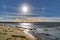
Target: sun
<point x="25" y="9"/>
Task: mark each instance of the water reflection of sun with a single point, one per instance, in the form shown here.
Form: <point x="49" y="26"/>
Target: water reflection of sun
<point x="25" y="25"/>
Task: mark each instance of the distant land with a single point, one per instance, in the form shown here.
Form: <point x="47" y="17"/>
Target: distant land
<point x="33" y="19"/>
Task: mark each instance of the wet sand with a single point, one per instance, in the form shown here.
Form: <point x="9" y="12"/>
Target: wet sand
<point x="13" y="33"/>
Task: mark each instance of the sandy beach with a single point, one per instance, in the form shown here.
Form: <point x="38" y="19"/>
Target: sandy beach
<point x="13" y="33"/>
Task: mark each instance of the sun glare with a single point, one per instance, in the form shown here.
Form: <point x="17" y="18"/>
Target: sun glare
<point x="25" y="9"/>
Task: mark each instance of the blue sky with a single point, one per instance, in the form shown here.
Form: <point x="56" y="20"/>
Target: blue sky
<point x="44" y="8"/>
